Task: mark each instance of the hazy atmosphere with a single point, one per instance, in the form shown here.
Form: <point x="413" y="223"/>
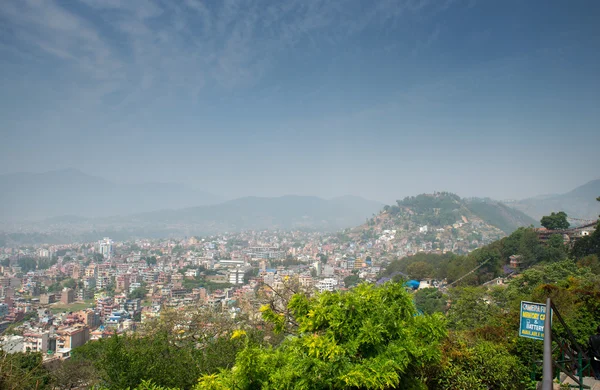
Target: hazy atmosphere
<point x="379" y="99"/>
<point x="299" y="194"/>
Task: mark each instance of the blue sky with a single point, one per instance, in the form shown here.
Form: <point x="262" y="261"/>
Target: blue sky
<point x="375" y="98"/>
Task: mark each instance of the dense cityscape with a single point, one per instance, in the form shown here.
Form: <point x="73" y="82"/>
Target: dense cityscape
<point x="57" y="297"/>
<point x="299" y="195"/>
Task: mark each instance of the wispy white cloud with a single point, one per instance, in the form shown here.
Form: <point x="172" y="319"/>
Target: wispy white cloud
<point x="134" y="51"/>
<point x="60" y="33"/>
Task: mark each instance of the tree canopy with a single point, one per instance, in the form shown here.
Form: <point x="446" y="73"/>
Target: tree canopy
<point x="555" y="221"/>
<point x="367" y="337"/>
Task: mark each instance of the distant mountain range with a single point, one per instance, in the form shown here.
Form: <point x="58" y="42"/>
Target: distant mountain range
<point x="35" y="196"/>
<point x="260" y="213"/>
<point x="76" y="205"/>
<point x="578" y="203"/>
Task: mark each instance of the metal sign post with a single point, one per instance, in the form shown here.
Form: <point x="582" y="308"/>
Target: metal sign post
<point x="547" y="374"/>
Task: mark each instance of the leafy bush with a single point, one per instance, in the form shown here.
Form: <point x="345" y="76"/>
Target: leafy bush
<point x="365" y="338"/>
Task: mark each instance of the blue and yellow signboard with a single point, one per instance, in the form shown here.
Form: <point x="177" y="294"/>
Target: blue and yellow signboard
<point x="533" y="317"/>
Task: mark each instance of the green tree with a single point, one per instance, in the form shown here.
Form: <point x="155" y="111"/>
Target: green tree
<point x="22" y="371"/>
<point x="555" y="249"/>
<point x="150" y="260"/>
<point x="592" y="262"/>
<point x="27" y="264"/>
<point x="323" y="258"/>
<point x="419" y="270"/>
<point x="555" y="221"/>
<point x="589" y="245"/>
<point x="479" y="365"/>
<point x="74" y="374"/>
<point x="138" y="293"/>
<point x="430" y="300"/>
<point x="351" y="280"/>
<point x="249" y="274"/>
<point x="367" y="337"/>
<point x="172" y="351"/>
<point x="69" y="283"/>
<point x="470" y="308"/>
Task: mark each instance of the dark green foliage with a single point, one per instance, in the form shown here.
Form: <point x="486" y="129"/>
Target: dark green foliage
<point x="491" y="259"/>
<point x="22" y="371"/>
<point x="69" y="283"/>
<point x="74" y="374"/>
<point x="323" y="258"/>
<point x="351" y="280"/>
<point x="150" y="260"/>
<point x="430" y="300"/>
<point x="47" y="263"/>
<point x="437" y="262"/>
<point x="249" y="274"/>
<point x="124" y="361"/>
<point x="479" y="365"/>
<point x="470" y="308"/>
<point x="555" y="221"/>
<point x="499" y="215"/>
<point x="440" y="209"/>
<point x="589" y="245"/>
<point x="27" y="264"/>
<point x="592" y="262"/>
<point x="555" y="274"/>
<point x="420" y="270"/>
<point x="138" y="293"/>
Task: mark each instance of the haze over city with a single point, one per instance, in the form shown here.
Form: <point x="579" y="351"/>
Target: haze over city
<point x="299" y="194"/>
<point x="378" y="99"/>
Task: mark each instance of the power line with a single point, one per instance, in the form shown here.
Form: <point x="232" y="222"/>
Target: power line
<point x="470" y="272"/>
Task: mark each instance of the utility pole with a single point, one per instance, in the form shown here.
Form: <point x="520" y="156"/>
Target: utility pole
<point x="547" y="373"/>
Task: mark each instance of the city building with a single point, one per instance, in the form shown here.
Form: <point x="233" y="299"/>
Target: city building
<point x="236" y="276"/>
<point x="105" y="247"/>
<point x="46" y="299"/>
<point x="265" y="252"/>
<point x="36" y="341"/>
<point x="327" y="284"/>
<point x="72" y="337"/>
<point x="122" y="283"/>
<point x="67" y="296"/>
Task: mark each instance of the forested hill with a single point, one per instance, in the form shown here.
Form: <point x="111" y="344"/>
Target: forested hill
<point x="444" y="208"/>
<point x="493" y="260"/>
<point x="440" y="222"/>
<point x="499" y="215"/>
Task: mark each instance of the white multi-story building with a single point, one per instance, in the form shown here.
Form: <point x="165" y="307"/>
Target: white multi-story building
<point x="327" y="284"/>
<point x="236" y="276"/>
<point x="265" y="252"/>
<point x="105" y="247"/>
